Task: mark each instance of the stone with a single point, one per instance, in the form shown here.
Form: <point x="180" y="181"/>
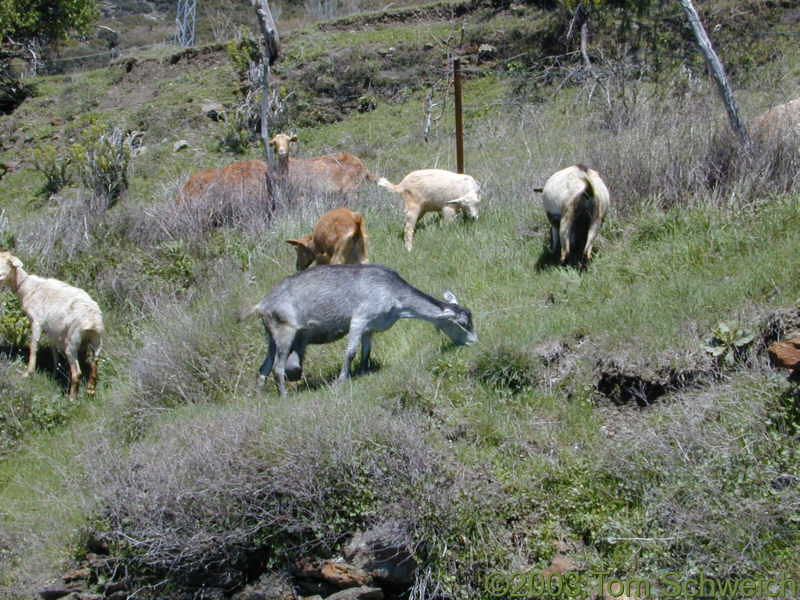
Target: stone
<point x="343" y="575"/>
<point x="56" y="122"/>
<point x="486" y="52"/>
<point x="785" y="354"/>
<point x="59" y="590"/>
<point x="213" y="110"/>
<point x="180" y="145"/>
<point x="76" y="575"/>
<point x="360" y="593"/>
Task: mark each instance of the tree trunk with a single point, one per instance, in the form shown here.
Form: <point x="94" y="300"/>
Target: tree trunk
<point x="271" y="46"/>
<point x="717" y="70"/>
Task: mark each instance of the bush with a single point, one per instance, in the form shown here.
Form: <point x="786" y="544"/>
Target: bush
<point x="54" y="166"/>
<point x="102" y="161"/>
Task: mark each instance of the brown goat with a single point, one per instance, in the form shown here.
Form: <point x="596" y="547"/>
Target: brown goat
<point x="340" y="173"/>
<point x="247" y="177"/>
<point x="340" y="237"/>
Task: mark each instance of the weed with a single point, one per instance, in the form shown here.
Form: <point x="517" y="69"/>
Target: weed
<point x="102" y="160"/>
<point x="728" y="342"/>
<point x="54" y="166"/>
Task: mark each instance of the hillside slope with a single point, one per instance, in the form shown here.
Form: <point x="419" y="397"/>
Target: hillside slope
<point x="588" y="430"/>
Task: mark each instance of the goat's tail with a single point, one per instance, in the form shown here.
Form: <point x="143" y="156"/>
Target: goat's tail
<point x="538" y="190"/>
<point x="383" y="182"/>
<point x="359" y="236"/>
<point x="597" y="189"/>
<point x="241" y="315"/>
<point x="370" y="176"/>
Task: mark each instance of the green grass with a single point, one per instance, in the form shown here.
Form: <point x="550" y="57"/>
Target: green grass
<point x="496" y="449"/>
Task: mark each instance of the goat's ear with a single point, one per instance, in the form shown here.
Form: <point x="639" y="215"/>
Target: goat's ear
<point x="15" y="262"/>
<point x="293" y="139"/>
<point x="272" y="143"/>
<point x="450" y="297"/>
<point x="303" y="242"/>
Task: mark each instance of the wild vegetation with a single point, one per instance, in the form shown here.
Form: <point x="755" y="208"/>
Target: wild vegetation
<point x="606" y="410"/>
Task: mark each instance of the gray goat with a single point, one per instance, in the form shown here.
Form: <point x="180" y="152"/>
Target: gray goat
<point x="325" y="303"/>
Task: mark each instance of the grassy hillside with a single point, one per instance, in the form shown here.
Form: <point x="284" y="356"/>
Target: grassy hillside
<point x="589" y="421"/>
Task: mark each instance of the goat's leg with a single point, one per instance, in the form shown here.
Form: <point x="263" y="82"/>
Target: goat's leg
<point x="594" y="228"/>
<point x="357" y="332"/>
<point x="90" y="385"/>
<point x="283" y="345"/>
<point x="74" y="370"/>
<point x="411" y="222"/>
<point x="266" y="366"/>
<point x="366" y="345"/>
<point x="36" y="333"/>
<point x="565" y="230"/>
<point x="449" y="212"/>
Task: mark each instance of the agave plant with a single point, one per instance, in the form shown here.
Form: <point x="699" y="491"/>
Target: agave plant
<point x="728" y="341"/>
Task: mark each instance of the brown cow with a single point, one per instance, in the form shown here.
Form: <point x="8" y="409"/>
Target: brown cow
<point x="340" y="237"/>
<point x="340" y="173"/>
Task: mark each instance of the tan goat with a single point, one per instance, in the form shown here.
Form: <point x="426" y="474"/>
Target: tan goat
<point x="571" y="196"/>
<point x="434" y="190"/>
<point x="66" y="313"/>
<point x="340" y="173"/>
<point x="779" y="123"/>
<point x="340" y="237"/>
<point x="246" y="177"/>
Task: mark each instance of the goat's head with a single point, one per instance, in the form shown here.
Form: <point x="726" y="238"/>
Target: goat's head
<point x="456" y="321"/>
<point x="280" y="143"/>
<point x="305" y="251"/>
<point x="8" y="263"/>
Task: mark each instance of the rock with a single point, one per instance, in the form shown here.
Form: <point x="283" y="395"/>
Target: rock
<point x="90" y="597"/>
<point x="56" y="122"/>
<point x="76" y="575"/>
<point x="343" y="575"/>
<point x="785" y="354"/>
<point x="385" y="553"/>
<point x="59" y="590"/>
<point x="361" y="593"/>
<point x="486" y="52"/>
<point x="560" y="565"/>
<point x="180" y="145"/>
<point x="213" y="110"/>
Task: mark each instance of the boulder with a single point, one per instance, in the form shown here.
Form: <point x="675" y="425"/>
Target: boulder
<point x="785" y="354"/>
<point x="213" y="110"/>
<point x="59" y="590"/>
<point x="360" y="593"/>
<point x="343" y="575"/>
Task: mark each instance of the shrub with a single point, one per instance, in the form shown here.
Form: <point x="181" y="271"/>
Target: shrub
<point x="14" y="325"/>
<point x="54" y="166"/>
<point x="102" y="160"/>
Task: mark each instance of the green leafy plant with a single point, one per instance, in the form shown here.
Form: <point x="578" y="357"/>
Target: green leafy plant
<point x="54" y="166"/>
<point x="727" y="342"/>
<point x="14" y="325"/>
<point x="103" y="159"/>
<point x="243" y="52"/>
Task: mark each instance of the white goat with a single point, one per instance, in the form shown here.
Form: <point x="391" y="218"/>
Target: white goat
<point x="68" y="315"/>
<point x="570" y="196"/>
<point x="435" y="190"/>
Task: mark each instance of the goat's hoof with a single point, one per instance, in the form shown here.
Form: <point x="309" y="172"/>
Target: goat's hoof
<point x="90" y="393"/>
